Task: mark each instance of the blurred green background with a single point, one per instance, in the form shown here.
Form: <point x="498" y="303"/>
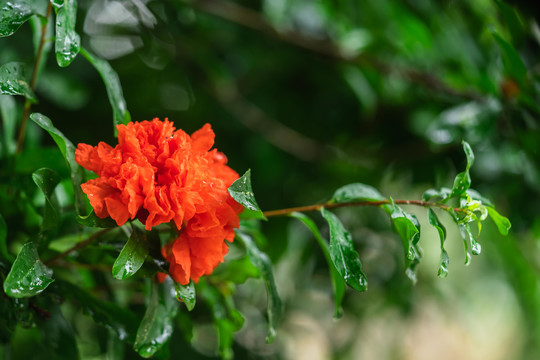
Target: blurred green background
<point x="312" y="95"/>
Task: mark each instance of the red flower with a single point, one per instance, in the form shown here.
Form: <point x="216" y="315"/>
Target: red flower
<point x="161" y="175"/>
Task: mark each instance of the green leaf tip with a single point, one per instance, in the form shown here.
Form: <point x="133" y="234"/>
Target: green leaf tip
<point x="13" y="81"/>
<point x="356" y="192"/>
<point x="132" y="256"/>
<point x="241" y="191"/>
<point x="186" y="294"/>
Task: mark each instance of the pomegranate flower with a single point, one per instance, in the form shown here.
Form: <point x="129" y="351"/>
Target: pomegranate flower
<point x="159" y="175"/>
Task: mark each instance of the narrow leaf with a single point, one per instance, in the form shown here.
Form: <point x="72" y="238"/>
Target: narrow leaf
<point x="261" y="261"/>
<point x="462" y="182"/>
<point x="28" y="275"/>
<point x="241" y="191"/>
<point x="157" y="324"/>
<point x="13" y="81"/>
<point x="47" y="180"/>
<point x="356" y="192"/>
<point x="512" y="20"/>
<point x="68" y="151"/>
<point x="186" y="294"/>
<point x="434" y="221"/>
<point x="343" y="254"/>
<point x="113" y="87"/>
<point x="68" y="42"/>
<point x="503" y="224"/>
<point x="337" y="280"/>
<point x="131" y="257"/>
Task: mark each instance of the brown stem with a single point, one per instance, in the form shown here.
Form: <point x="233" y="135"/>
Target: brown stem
<point x="318" y="207"/>
<point x="28" y="103"/>
<point x="78" y="246"/>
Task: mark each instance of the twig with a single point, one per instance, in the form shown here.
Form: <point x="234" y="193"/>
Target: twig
<point x="28" y="103"/>
<point x="78" y="246"/>
<point x="238" y="14"/>
<point x="318" y="207"/>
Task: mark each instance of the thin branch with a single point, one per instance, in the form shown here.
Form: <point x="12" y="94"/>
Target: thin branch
<point x="78" y="246"/>
<point x="28" y="103"/>
<point x="317" y="207"/>
<point x="251" y="19"/>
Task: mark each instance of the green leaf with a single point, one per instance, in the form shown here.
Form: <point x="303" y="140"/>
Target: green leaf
<point x="356" y="192"/>
<point x="47" y="180"/>
<point x="512" y="62"/>
<point x="8" y="113"/>
<point x="337" y="280"/>
<point x="436" y="195"/>
<point x="434" y="220"/>
<point x="114" y="88"/>
<point x="503" y="224"/>
<point x="28" y="275"/>
<point x="186" y="294"/>
<point x="512" y="20"/>
<point x="343" y="254"/>
<point x="13" y="81"/>
<point x="131" y="257"/>
<point x="15" y="13"/>
<point x="3" y="240"/>
<point x="68" y="151"/>
<point x="157" y="324"/>
<point x="462" y="182"/>
<point x="241" y="191"/>
<point x="92" y="220"/>
<point x="68" y="42"/>
<point x="236" y="271"/>
<point x="262" y="262"/>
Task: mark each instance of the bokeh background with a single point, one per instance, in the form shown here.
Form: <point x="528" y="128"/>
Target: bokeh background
<point x="313" y="95"/>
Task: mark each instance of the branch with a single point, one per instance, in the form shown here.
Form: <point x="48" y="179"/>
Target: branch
<point x="251" y="19"/>
<point x="78" y="246"/>
<point x="27" y="103"/>
<point x="318" y="207"/>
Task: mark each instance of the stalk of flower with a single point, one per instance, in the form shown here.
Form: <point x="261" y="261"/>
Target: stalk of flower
<point x="159" y="175"/>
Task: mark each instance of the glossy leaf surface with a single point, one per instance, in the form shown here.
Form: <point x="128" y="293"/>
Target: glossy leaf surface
<point x="343" y="254"/>
<point x="28" y="275"/>
<point x="132" y="256"/>
<point x="241" y="191"/>
<point x="47" y="180"/>
<point x="356" y="192"/>
<point x="68" y="42"/>
<point x="13" y="81"/>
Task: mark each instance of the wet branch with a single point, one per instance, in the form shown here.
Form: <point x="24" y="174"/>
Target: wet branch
<point x="78" y="246"/>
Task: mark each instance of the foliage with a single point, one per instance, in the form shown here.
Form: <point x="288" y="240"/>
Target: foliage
<point x="359" y="104"/>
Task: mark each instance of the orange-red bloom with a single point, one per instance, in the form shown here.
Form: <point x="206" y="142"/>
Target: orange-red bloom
<point x="159" y="175"/>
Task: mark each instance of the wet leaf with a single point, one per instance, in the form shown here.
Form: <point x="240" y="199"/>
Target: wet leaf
<point x="436" y="195"/>
<point x="68" y="151"/>
<point x="241" y="191"/>
<point x="356" y="192"/>
<point x="15" y="13"/>
<point x="503" y="224"/>
<point x="28" y="275"/>
<point x="462" y="182"/>
<point x="236" y="271"/>
<point x="132" y="256"/>
<point x="186" y="294"/>
<point x="263" y="263"/>
<point x="434" y="221"/>
<point x="343" y="254"/>
<point x="13" y="81"/>
<point x="157" y="324"/>
<point x="337" y="280"/>
<point x="47" y="180"/>
<point x="68" y="42"/>
<point x="114" y="88"/>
